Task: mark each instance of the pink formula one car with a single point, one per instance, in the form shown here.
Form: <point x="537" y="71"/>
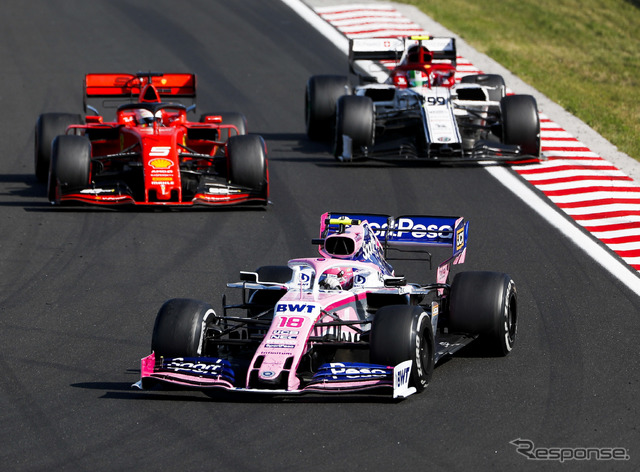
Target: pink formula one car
<point x="341" y="322"/>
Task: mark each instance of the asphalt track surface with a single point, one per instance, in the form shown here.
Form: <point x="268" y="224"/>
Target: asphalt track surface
<point x="79" y="289"/>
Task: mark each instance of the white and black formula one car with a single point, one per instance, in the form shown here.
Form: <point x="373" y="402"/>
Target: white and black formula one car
<point x="408" y="104"/>
<point x="340" y="322"/>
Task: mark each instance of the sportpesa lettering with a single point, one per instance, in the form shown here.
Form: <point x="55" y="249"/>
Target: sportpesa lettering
<point x="357" y="372"/>
<point x="370" y="248"/>
<point x="418" y="231"/>
<point x="179" y="364"/>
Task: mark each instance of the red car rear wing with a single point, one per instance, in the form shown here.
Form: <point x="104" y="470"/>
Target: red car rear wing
<point x="128" y="85"/>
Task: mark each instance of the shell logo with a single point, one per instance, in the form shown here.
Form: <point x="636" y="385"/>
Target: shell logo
<point x="160" y="163"/>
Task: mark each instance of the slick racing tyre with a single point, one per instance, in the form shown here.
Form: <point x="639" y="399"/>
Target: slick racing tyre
<point x="70" y="166"/>
<point x="485" y="303"/>
<point x="274" y="273"/>
<point x="48" y="126"/>
<point x="177" y="331"/>
<point x="266" y="299"/>
<point x="495" y="83"/>
<point x="229" y="118"/>
<point x="354" y="118"/>
<point x="400" y="333"/>
<point x="247" y="162"/>
<point x="320" y="99"/>
<point x="521" y="123"/>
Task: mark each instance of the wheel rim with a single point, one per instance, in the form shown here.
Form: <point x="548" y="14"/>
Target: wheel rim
<point x="422" y="353"/>
<point x="510" y="323"/>
<point x="307" y="109"/>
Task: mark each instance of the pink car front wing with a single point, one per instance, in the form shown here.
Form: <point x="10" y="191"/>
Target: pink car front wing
<point x="212" y="373"/>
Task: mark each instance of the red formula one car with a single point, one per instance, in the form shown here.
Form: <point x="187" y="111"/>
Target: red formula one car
<point x="150" y="154"/>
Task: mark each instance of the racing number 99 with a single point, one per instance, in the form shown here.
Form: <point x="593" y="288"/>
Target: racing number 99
<point x="436" y="100"/>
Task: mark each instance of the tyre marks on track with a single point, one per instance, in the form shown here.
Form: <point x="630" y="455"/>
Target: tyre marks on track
<point x="590" y="190"/>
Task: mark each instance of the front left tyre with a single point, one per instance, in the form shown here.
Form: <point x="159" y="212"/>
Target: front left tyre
<point x="495" y="84"/>
<point x="238" y="120"/>
<point x="177" y="331"/>
<point x="521" y="123"/>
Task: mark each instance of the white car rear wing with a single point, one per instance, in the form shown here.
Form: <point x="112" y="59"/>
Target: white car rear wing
<point x="394" y="49"/>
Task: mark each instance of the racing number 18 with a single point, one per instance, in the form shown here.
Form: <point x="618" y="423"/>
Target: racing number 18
<point x="291" y="322"/>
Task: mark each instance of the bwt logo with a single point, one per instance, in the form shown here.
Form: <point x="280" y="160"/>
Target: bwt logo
<point x="418" y="231"/>
<point x="295" y="307"/>
<point x="402" y="377"/>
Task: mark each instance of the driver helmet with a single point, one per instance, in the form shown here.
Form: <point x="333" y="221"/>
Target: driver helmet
<point x="337" y="279"/>
<point x="144" y="117"/>
<point x="417" y="78"/>
<point x="162" y="117"/>
<point x="418" y="55"/>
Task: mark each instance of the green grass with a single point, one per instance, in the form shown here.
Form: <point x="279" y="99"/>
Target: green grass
<point x="582" y="54"/>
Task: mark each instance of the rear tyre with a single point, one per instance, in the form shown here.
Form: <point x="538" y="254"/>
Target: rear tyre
<point x="321" y="95"/>
<point x="494" y="81"/>
<point x="400" y="333"/>
<point x="266" y="299"/>
<point x="274" y="273"/>
<point x="70" y="166"/>
<point x="354" y="118"/>
<point x="247" y="160"/>
<point x="48" y="126"/>
<point x="485" y="303"/>
<point x="521" y="123"/>
<point x="177" y="331"/>
<point x="229" y="118"/>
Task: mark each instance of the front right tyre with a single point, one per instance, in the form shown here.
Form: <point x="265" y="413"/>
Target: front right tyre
<point x="400" y="333"/>
<point x="70" y="166"/>
<point x="48" y="126"/>
<point x="355" y="119"/>
<point x="247" y="162"/>
<point x="321" y="94"/>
